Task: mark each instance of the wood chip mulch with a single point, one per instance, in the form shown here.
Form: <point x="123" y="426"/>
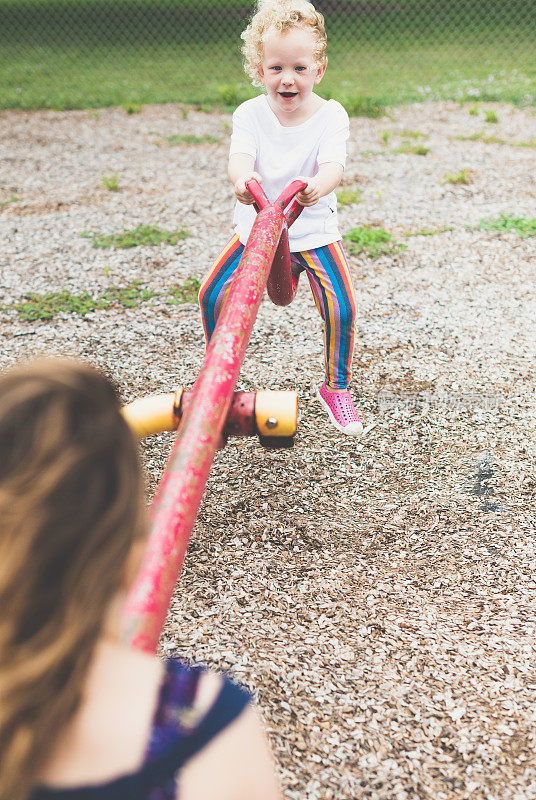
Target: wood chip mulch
<point x="378" y="596"/>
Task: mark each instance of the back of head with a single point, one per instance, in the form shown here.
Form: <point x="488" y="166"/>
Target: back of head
<point x="279" y="16"/>
<point x="71" y="504"/>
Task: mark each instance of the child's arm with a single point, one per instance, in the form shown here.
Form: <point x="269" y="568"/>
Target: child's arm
<point x="240" y="170"/>
<point x="326" y="179"/>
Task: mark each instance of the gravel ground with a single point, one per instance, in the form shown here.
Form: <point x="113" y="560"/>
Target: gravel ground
<point x="377" y="596"/>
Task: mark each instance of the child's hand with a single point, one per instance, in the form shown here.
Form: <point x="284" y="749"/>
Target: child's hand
<point x="311" y="194"/>
<point x="242" y="193"/>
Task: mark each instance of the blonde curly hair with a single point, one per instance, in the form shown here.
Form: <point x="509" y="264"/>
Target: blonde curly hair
<point x="279" y="16"/>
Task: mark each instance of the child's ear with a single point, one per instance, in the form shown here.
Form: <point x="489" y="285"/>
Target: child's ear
<point x="320" y="71"/>
<point x="260" y="72"/>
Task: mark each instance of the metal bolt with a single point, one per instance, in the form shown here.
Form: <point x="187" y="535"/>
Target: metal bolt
<point x="271" y="422"/>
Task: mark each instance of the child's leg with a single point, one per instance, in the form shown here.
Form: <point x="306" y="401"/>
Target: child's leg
<point x="215" y="286"/>
<point x="331" y="284"/>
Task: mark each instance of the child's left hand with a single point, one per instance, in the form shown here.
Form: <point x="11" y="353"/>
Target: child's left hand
<point x="311" y="194"/>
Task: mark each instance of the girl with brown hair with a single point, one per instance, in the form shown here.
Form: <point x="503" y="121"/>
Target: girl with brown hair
<point x="83" y="717"/>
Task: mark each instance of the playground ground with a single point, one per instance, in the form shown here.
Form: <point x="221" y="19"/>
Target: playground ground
<point x="378" y="596"/>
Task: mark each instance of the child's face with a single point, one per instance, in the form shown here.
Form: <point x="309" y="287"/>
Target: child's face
<point x="288" y="70"/>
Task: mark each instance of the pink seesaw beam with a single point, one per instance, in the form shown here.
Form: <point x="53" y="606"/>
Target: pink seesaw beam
<point x="180" y="491"/>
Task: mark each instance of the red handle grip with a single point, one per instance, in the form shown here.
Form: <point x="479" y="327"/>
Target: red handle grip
<point x="286" y="196"/>
<point x="261" y="201"/>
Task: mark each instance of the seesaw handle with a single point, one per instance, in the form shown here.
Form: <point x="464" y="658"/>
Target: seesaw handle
<point x="286" y="196"/>
<point x="261" y="201"/>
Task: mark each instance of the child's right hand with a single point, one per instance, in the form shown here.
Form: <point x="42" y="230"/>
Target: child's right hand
<point x="243" y="194"/>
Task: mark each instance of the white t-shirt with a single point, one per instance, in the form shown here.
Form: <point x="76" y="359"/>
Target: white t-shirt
<point x="281" y="154"/>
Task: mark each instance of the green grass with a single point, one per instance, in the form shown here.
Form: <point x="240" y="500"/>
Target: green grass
<point x="34" y="306"/>
<point x="373" y="242"/>
<point x="12" y="199"/>
<point x="177" y="138"/>
<point x="523" y="226"/>
<point x="347" y="197"/>
<point x="408" y="148"/>
<point x="463" y="177"/>
<point x="481" y="136"/>
<point x="358" y="106"/>
<point x="411" y="134"/>
<point x="491" y="116"/>
<point x="184" y="293"/>
<point x="127" y="296"/>
<point x="110" y="182"/>
<point x="428" y="231"/>
<point x="95" y="53"/>
<point x="132" y="108"/>
<point x="45" y="306"/>
<point x="141" y="235"/>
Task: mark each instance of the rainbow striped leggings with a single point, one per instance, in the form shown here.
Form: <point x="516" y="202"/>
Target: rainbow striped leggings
<point x="331" y="284"/>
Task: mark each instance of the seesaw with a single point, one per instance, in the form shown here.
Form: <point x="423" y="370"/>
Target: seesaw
<point x="210" y="411"/>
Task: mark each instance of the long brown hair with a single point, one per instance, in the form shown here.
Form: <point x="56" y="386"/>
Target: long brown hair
<point x="71" y="504"/>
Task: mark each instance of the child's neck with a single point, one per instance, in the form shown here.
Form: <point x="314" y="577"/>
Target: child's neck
<point x="300" y="115"/>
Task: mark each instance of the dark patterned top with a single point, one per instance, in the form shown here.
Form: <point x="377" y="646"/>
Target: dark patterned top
<point x="177" y="734"/>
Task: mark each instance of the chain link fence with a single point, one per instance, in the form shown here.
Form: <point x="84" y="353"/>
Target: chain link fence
<point x="82" y="53"/>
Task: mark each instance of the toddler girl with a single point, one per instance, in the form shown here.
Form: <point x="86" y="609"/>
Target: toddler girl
<point x="82" y="716"/>
<point x="291" y="132"/>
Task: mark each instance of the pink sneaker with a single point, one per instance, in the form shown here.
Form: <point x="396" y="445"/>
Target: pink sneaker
<point x="341" y="410"/>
